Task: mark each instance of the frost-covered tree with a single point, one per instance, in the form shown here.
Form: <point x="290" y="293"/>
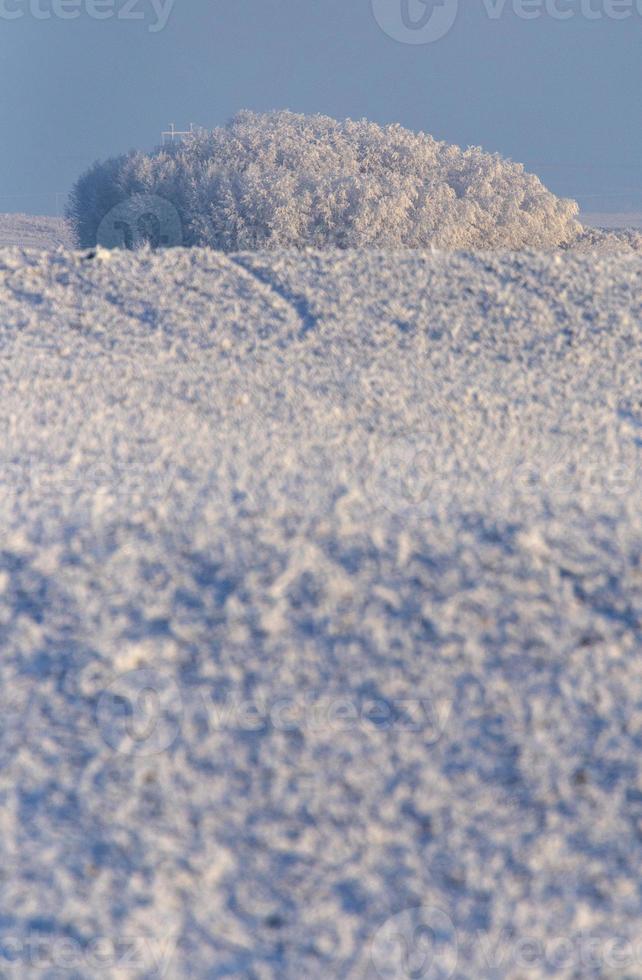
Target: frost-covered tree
<point x="282" y="180"/>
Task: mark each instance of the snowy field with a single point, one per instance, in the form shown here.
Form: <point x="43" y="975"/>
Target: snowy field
<point x="320" y="608"/>
<point x="34" y="231"/>
<point x="626" y="219"/>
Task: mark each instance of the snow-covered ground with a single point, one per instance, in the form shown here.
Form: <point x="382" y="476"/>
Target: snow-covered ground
<point x="626" y="219"/>
<point x="320" y="609"/>
<point x="34" y="231"/>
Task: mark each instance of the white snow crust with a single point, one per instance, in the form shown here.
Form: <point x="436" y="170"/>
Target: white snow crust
<point x="320" y="600"/>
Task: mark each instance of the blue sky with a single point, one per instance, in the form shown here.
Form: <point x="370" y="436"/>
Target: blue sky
<point x="561" y="95"/>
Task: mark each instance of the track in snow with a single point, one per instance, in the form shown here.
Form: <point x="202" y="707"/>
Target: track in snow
<point x="303" y="628"/>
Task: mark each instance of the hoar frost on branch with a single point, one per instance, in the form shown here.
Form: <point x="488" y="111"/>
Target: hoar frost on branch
<point x="282" y="180"/>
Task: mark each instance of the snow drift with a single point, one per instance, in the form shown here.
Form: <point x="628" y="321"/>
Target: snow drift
<point x="287" y="180"/>
<point x="320" y="604"/>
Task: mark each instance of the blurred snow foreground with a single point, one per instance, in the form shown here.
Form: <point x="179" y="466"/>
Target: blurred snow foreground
<point x="321" y="615"/>
<point x="285" y="180"/>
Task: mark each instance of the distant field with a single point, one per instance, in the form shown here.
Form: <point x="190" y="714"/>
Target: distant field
<point x="31" y="231"/>
<point x="626" y="219"/>
<point x="36" y="231"/>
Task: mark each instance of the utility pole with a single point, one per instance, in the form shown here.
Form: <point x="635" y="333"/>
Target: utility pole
<point x="172" y="133"/>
